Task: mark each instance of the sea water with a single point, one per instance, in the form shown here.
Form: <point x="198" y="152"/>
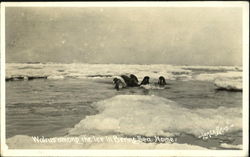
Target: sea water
<point x="79" y="101"/>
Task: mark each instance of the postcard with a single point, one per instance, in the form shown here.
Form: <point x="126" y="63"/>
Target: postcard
<point x="124" y="78"/>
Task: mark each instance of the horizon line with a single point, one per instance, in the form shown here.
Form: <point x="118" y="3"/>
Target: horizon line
<point x="113" y="63"/>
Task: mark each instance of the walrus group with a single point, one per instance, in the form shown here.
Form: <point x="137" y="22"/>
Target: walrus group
<point x="132" y="81"/>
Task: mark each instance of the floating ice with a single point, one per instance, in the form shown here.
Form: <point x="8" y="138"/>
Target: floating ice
<point x="55" y="77"/>
<point x="154" y="116"/>
<point x="230" y="146"/>
<point x="229" y="84"/>
<point x="92" y="71"/>
<point x="214" y="76"/>
<point x="100" y="71"/>
<point x="231" y="80"/>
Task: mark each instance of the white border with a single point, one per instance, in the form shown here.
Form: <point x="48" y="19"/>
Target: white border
<point x="3" y="145"/>
<point x="45" y="152"/>
<point x="245" y="49"/>
<point x="128" y="4"/>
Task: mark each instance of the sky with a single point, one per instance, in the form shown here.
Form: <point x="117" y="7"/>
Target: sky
<point x="135" y="35"/>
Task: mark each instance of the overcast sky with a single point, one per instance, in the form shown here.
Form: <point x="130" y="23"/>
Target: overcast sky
<point x="180" y="36"/>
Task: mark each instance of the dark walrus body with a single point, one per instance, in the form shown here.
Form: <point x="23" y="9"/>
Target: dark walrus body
<point x="134" y="80"/>
<point x="126" y="80"/>
<point x="131" y="81"/>
<point x="118" y="83"/>
<point x="162" y="81"/>
<point x="145" y="81"/>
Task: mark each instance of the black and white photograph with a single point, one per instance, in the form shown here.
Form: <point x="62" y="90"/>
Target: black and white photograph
<point x="125" y="76"/>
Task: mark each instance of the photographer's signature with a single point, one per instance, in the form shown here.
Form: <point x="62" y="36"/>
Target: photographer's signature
<point x="215" y="132"/>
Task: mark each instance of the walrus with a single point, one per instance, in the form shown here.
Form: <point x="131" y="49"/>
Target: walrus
<point x="134" y="80"/>
<point x="118" y="83"/>
<point x="126" y="79"/>
<point x="162" y="81"/>
<point x="145" y="81"/>
<point x="134" y="77"/>
<point x="131" y="81"/>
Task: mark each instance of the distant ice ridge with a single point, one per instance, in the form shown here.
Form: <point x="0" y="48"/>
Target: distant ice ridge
<point x="98" y="71"/>
<point x="214" y="68"/>
<point x="222" y="75"/>
<point x="231" y="80"/>
<point x="93" y="71"/>
<point x="155" y="116"/>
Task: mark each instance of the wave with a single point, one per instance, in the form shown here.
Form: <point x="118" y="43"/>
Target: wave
<point x="154" y="116"/>
<point x="153" y="86"/>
